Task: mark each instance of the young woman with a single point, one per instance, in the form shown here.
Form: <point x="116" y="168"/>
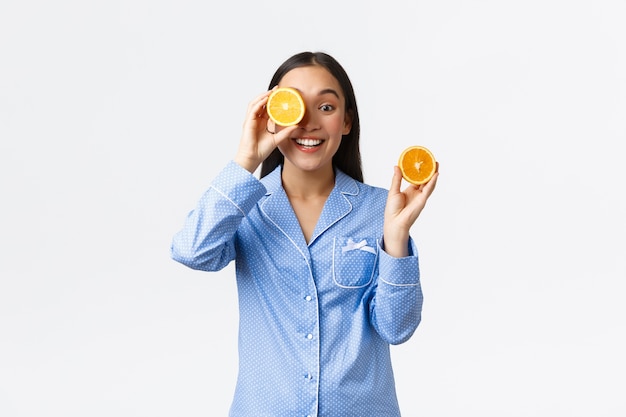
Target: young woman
<point x="327" y="274"/>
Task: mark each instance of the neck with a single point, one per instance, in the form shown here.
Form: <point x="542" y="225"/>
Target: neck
<point x="305" y="184"/>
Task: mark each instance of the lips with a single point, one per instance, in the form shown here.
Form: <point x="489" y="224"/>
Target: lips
<point x="309" y="143"/>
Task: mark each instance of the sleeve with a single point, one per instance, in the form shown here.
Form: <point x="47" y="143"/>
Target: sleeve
<point x="396" y="308"/>
<point x="207" y="240"/>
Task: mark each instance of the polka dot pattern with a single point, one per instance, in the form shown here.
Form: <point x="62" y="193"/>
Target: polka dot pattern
<point x="316" y="319"/>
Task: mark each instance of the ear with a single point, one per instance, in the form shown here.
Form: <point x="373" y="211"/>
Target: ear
<point x="347" y="123"/>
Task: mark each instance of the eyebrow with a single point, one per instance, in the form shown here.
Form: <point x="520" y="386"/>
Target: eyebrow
<point x="329" y="91"/>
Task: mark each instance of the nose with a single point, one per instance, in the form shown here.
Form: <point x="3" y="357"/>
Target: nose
<point x="309" y="121"/>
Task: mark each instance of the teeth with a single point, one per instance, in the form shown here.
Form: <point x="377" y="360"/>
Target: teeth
<point x="308" y="142"/>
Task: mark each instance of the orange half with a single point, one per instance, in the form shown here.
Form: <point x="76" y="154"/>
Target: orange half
<point x="285" y="106"/>
<point x="418" y="164"/>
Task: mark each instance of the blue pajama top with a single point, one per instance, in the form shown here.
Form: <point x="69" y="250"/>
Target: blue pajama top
<point x="315" y="320"/>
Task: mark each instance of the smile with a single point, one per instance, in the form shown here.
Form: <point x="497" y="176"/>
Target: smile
<point x="309" y="143"/>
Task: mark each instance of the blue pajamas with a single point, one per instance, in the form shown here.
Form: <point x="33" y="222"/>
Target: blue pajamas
<point x="316" y="320"/>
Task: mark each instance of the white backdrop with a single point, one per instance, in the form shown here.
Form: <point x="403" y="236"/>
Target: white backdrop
<point x="115" y="115"/>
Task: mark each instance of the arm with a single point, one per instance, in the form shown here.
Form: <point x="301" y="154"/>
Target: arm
<point x="207" y="239"/>
<point x="396" y="308"/>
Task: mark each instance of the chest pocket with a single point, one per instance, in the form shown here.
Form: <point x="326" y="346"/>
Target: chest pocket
<point x="354" y="261"/>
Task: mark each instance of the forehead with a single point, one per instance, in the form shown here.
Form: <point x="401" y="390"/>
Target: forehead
<point x="311" y="80"/>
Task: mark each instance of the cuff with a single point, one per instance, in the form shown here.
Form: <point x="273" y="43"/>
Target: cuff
<point x="239" y="186"/>
<point x="400" y="271"/>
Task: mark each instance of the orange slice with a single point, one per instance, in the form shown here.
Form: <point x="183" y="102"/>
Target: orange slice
<point x="417" y="164"/>
<point x="285" y="106"/>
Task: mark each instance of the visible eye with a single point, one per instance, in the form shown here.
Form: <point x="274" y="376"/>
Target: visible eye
<point x="327" y="107"/>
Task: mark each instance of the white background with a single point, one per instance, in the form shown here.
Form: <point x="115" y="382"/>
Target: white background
<point x="115" y="116"/>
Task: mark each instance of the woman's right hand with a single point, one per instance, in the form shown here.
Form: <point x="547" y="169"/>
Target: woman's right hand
<point x="260" y="135"/>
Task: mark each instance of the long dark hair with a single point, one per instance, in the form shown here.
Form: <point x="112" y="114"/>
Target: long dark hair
<point x="348" y="156"/>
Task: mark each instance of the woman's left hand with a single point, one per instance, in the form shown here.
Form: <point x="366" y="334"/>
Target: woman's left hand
<point x="401" y="211"/>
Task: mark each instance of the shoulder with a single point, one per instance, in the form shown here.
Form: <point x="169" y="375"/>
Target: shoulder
<point x="350" y="187"/>
<point x="372" y="189"/>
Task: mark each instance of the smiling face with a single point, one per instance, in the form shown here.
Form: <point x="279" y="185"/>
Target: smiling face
<point x="315" y="141"/>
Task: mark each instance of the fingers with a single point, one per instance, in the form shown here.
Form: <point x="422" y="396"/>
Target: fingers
<point x="429" y="187"/>
<point x="281" y="134"/>
<point x="256" y="108"/>
<point x="417" y="195"/>
<point x="396" y="181"/>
